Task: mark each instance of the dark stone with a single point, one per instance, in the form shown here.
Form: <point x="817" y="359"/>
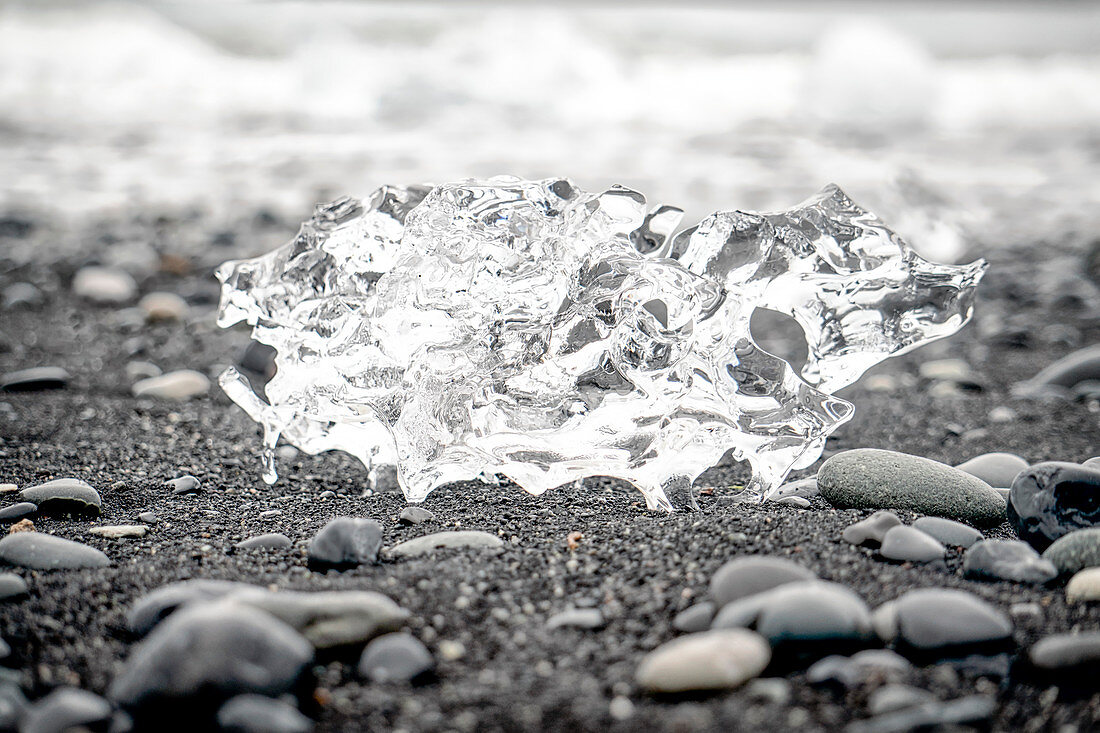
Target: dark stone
<point x="746" y="576"/>
<point x="260" y="714"/>
<point x="346" y="542"/>
<point x="67" y="708"/>
<point x="34" y="379"/>
<point x="39" y="551"/>
<point x="259" y="359"/>
<point x="273" y="541"/>
<point x="942" y="621"/>
<point x="1052" y="499"/>
<point x="1010" y="560"/>
<point x="15" y="512"/>
<point x="64" y="496"/>
<point x="397" y="657"/>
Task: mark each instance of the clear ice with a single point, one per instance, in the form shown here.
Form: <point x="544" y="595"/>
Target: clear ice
<point x="537" y="331"/>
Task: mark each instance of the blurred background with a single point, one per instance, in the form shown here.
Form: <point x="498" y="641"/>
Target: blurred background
<point x="953" y="120"/>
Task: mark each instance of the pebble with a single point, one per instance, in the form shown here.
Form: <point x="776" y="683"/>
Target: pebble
<point x="472" y="539"/>
<point x="869" y="478"/>
<point x="996" y="469"/>
<point x="1075" y="551"/>
<point x="1071" y="652"/>
<point x="64" y="496"/>
<point x="136" y="370"/>
<point x="23" y="525"/>
<point x="217" y="649"/>
<point x="694" y="618"/>
<point x="184" y="485"/>
<point x="104" y="285"/>
<point x="1010" y="560"/>
<point x="907" y="544"/>
<point x="805" y="488"/>
<point x="8" y="488"/>
<point x="120" y="531"/>
<point x="411" y="515"/>
<point x="148" y="517"/>
<point x="67" y="709"/>
<point x="576" y="618"/>
<point x="710" y="660"/>
<point x="178" y="385"/>
<point x="877" y="665"/>
<point x="747" y="576"/>
<point x="23" y="295"/>
<point x="162" y="306"/>
<point x="346" y="542"/>
<point x="620" y="708"/>
<point x="273" y="541"/>
<point x="260" y="714"/>
<point x="934" y="715"/>
<point x="39" y="551"/>
<point x="15" y="512"/>
<point x="1002" y="414"/>
<point x="948" y="531"/>
<point x="154" y="606"/>
<point x="1052" y="499"/>
<point x="34" y="379"/>
<point x="1026" y="613"/>
<point x="1070" y="370"/>
<point x="947" y="370"/>
<point x="12" y="587"/>
<point x="796" y="501"/>
<point x="871" y="530"/>
<point x="13" y="704"/>
<point x="773" y="690"/>
<point x="940" y="619"/>
<point x="1084" y="586"/>
<point x="396" y="657"/>
<point x="328" y="619"/>
<point x="800" y="612"/>
<point x="891" y="697"/>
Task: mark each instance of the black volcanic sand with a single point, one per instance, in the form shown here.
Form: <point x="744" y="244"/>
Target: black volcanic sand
<point x="639" y="567"/>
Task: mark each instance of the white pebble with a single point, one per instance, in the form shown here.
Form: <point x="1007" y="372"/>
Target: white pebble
<point x="104" y="285"/>
<point x="180" y="385"/>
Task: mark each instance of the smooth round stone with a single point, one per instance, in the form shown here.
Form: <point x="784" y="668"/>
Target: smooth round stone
<point x="179" y="385"/>
<point x="162" y="306"/>
<point x="800" y="612"/>
<point x="217" y="650"/>
<point x="64" y="496"/>
<point x="805" y="488"/>
<point x="868" y="478"/>
<point x="576" y="618"/>
<point x="939" y="619"/>
<point x="184" y="485"/>
<point x="466" y="539"/>
<point x="1074" y="551"/>
<point x="906" y="544"/>
<point x="858" y="669"/>
<point x="15" y="512"/>
<point x="34" y="379"/>
<point x="64" y="709"/>
<point x="1010" y="560"/>
<point x="711" y="660"/>
<point x="104" y="285"/>
<point x="260" y="714"/>
<point x="148" y="517"/>
<point x="412" y="515"/>
<point x="888" y="698"/>
<point x="39" y="551"/>
<point x="948" y="531"/>
<point x="120" y="531"/>
<point x="1067" y="652"/>
<point x="996" y="469"/>
<point x="397" y="657"/>
<point x="1084" y="586"/>
<point x="694" y="618"/>
<point x="151" y="608"/>
<point x="137" y="370"/>
<point x="1052" y="499"/>
<point x="346" y="542"/>
<point x="328" y="619"/>
<point x="273" y="541"/>
<point x="871" y="530"/>
<point x="796" y="501"/>
<point x="12" y="587"/>
<point x="747" y="576"/>
<point x="1070" y="370"/>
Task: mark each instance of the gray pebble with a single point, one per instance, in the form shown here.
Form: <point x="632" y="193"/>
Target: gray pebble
<point x="39" y="551"/>
<point x="178" y="385"/>
<point x="891" y="697"/>
<point x="328" y="619"/>
<point x="148" y="517"/>
<point x="396" y="657"/>
<point x="746" y="576"/>
<point x="996" y="469"/>
<point x="22" y="295"/>
<point x="694" y="618"/>
<point x="855" y="671"/>
<point x="805" y="488"/>
<point x="577" y="618"/>
<point x="1067" y="653"/>
<point x="64" y="496"/>
<point x="948" y="531"/>
<point x="15" y="512"/>
<point x="468" y="539"/>
<point x="186" y="484"/>
<point x="931" y="715"/>
<point x="871" y="530"/>
<point x="796" y="501"/>
<point x="1075" y="551"/>
<point x="799" y="612"/>
<point x="66" y="709"/>
<point x="411" y="515"/>
<point x="261" y="714"/>
<point x="151" y="608"/>
<point x="12" y="587"/>
<point x="1010" y="560"/>
<point x="34" y="379"/>
<point x="273" y="541"/>
<point x="906" y="544"/>
<point x="939" y="619"/>
<point x="346" y="542"/>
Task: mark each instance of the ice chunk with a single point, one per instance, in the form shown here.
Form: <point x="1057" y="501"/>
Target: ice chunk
<point x="537" y="331"/>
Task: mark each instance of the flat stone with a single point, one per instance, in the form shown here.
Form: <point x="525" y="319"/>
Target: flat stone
<point x="261" y="714"/>
<point x="948" y="531"/>
<point x="184" y="485"/>
<point x="396" y="657"/>
<point x="941" y="620"/>
<point x="346" y="542"/>
<point x="1052" y="499"/>
<point x="1009" y="560"/>
<point x="711" y="660"/>
<point x="65" y="709"/>
<point x="328" y="619"/>
<point x="162" y="306"/>
<point x="871" y="530"/>
<point x="746" y="576"/>
<point x="880" y="665"/>
<point x="120" y="531"/>
<point x="996" y="469"/>
<point x="12" y="587"/>
<point x="869" y="478"/>
<point x="15" y="512"/>
<point x="801" y="612"/>
<point x="1075" y="551"/>
<point x="104" y="285"/>
<point x="34" y="380"/>
<point x="64" y="496"/>
<point x="576" y="618"/>
<point x="930" y="716"/>
<point x="805" y="488"/>
<point x="179" y="385"/>
<point x="891" y="697"/>
<point x="411" y="515"/>
<point x="272" y="541"/>
<point x="1084" y="586"/>
<point x="467" y="539"/>
<point x="39" y="551"/>
<point x="906" y="544"/>
<point x="1067" y="653"/>
<point x="796" y="501"/>
<point x="213" y="651"/>
<point x="695" y="618"/>
<point x="148" y="517"/>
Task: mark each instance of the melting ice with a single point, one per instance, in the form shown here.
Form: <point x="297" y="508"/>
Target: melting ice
<point x="544" y="333"/>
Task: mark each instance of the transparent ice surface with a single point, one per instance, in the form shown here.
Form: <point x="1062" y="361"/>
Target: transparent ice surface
<point x="541" y="332"/>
